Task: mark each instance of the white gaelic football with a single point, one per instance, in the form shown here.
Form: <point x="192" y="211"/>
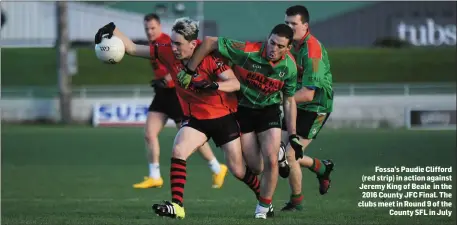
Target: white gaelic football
<point x="110" y="50"/>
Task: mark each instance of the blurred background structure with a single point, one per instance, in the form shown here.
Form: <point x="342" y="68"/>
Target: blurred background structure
<point x="393" y="65"/>
<point x="386" y="57"/>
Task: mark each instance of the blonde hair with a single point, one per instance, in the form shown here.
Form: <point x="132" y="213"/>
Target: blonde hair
<point x="186" y="27"/>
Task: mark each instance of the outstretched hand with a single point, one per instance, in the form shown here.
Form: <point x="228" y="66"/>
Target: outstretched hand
<point x="108" y="29"/>
<point x="298" y="147"/>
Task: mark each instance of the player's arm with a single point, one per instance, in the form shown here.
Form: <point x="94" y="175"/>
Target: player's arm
<point x="310" y="81"/>
<point x="290" y="112"/>
<point x="289" y="104"/>
<point x="226" y="82"/>
<point x="208" y="45"/>
<point x="130" y="47"/>
<point x="167" y="77"/>
<point x="305" y="94"/>
<point x="229" y="82"/>
<point x="227" y="79"/>
<point x="231" y="49"/>
<point x="159" y="71"/>
<point x="162" y="82"/>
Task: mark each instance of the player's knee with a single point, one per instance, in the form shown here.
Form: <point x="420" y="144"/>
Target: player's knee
<point x="238" y="171"/>
<point x="151" y="137"/>
<point x="290" y="155"/>
<point x="179" y="152"/>
<point x="257" y="170"/>
<point x="271" y="161"/>
<point x="256" y="167"/>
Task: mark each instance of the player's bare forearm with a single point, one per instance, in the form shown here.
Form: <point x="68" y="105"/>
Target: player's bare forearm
<point x="129" y="45"/>
<point x="290" y="114"/>
<point x="132" y="48"/>
<point x="229" y="82"/>
<point x="304" y="95"/>
<point x="167" y="77"/>
<point x="208" y="45"/>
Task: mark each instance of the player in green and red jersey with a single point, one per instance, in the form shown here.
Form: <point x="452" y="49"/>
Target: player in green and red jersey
<point x="264" y="70"/>
<point x="314" y="99"/>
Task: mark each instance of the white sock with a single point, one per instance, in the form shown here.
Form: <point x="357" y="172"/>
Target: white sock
<point x="261" y="209"/>
<point x="154" y="170"/>
<point x="215" y="166"/>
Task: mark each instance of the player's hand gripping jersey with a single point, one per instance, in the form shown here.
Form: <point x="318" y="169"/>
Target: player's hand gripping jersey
<point x="160" y="70"/>
<point x="195" y="103"/>
<point x="314" y="72"/>
<point x="261" y="80"/>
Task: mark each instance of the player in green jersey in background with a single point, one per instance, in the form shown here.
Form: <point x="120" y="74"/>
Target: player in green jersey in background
<point x="264" y="70"/>
<point x="314" y="99"/>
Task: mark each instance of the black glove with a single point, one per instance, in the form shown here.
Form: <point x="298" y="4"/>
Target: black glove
<point x="159" y="83"/>
<point x="295" y="143"/>
<point x="205" y="85"/>
<point x="107" y="29"/>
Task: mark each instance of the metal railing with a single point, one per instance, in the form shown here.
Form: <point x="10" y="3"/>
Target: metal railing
<point x="138" y="91"/>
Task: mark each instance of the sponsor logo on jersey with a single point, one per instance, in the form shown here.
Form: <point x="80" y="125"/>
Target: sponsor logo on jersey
<point x="265" y="84"/>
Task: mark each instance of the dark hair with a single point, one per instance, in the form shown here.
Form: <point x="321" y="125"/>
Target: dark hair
<point x="151" y="16"/>
<point x="282" y="30"/>
<point x="298" y="10"/>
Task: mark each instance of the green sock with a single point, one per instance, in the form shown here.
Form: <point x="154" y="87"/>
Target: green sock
<point x="318" y="167"/>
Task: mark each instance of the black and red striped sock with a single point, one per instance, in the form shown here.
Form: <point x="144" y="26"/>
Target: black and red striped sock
<point x="178" y="180"/>
<point x="252" y="181"/>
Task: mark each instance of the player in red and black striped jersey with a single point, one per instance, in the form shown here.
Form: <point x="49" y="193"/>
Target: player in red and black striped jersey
<point x="166" y="105"/>
<point x="208" y="102"/>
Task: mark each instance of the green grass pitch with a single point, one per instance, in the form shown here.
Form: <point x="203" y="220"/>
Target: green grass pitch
<point x="82" y="175"/>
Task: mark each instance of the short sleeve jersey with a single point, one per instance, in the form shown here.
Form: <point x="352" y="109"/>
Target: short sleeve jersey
<point x="314" y="73"/>
<point x="159" y="69"/>
<point x="261" y="80"/>
<point x="199" y="104"/>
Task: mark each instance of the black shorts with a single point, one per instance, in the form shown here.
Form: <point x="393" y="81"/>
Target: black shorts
<point x="222" y="130"/>
<point x="308" y="123"/>
<point x="258" y="120"/>
<point x="166" y="101"/>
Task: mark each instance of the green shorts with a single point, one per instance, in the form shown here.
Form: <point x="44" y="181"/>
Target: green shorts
<point x="308" y="123"/>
